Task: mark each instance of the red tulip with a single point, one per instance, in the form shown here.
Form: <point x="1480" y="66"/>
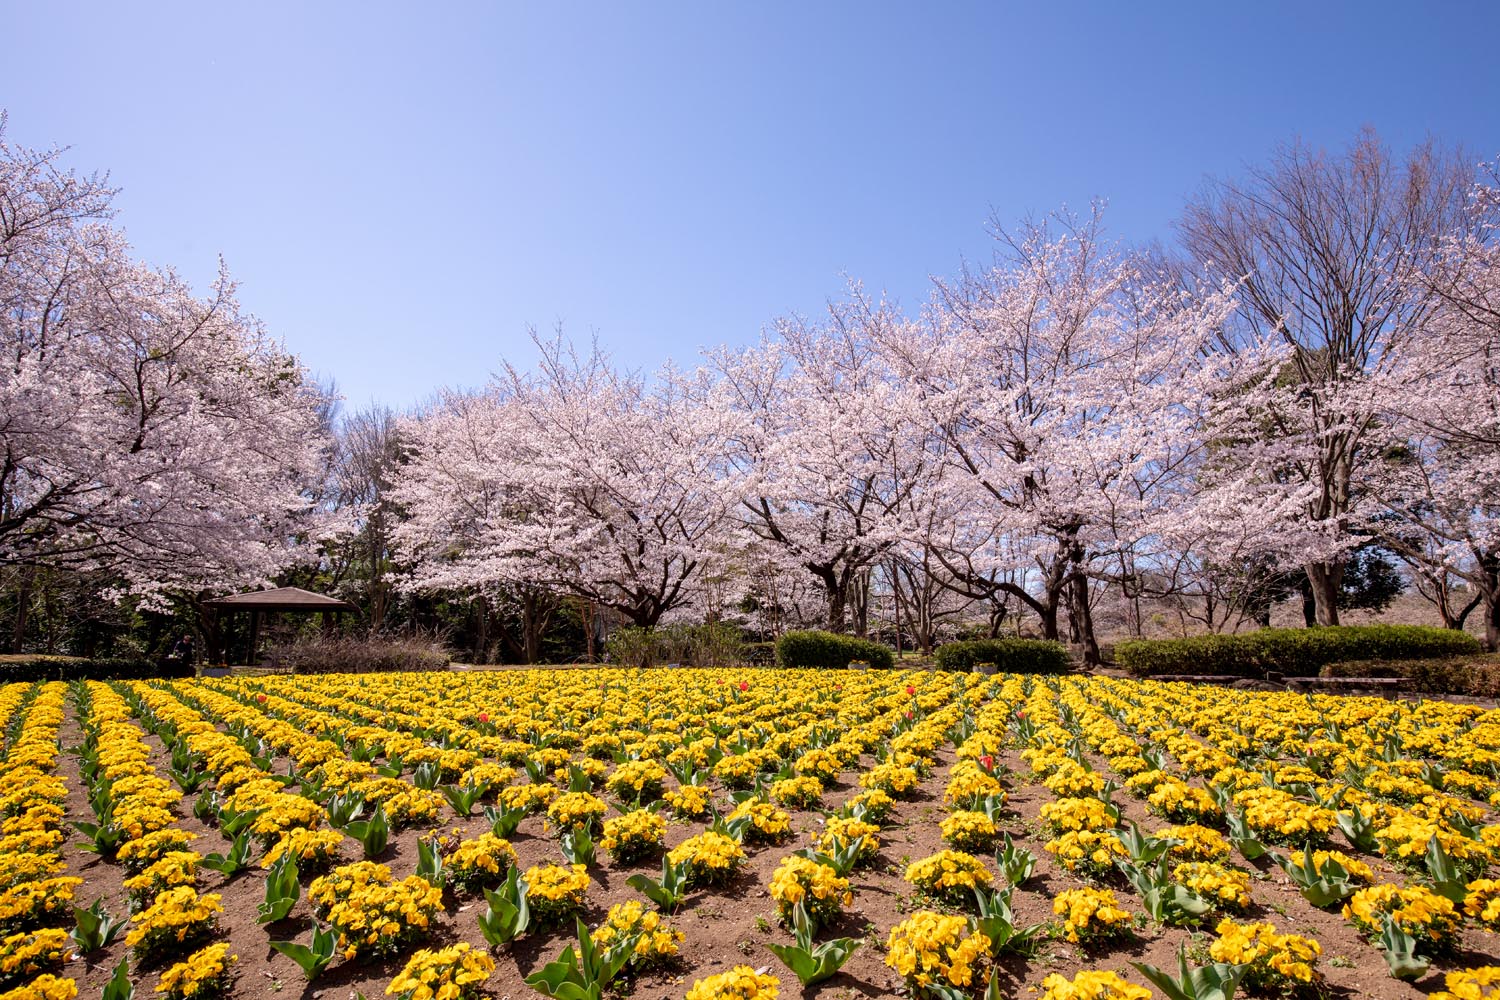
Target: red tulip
<point x="908" y="714"/>
<point x="911" y="689"/>
<point x="484" y="717"/>
<point x="744" y="685"/>
<point x="987" y="762"/>
<point x="261" y="698"/>
<point x="1021" y="714"/>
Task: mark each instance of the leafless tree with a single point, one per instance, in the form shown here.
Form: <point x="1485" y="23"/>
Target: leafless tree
<point x="1331" y="250"/>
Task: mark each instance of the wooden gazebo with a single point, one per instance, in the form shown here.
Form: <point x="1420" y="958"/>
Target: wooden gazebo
<point x="279" y="599"/>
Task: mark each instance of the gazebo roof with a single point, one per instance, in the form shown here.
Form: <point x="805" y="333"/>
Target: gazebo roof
<point x="280" y="599"/>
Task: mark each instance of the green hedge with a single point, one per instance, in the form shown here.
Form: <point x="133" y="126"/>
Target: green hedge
<point x="46" y="668"/>
<point x="1012" y="656"/>
<point x="1476" y="676"/>
<point x="1290" y="651"/>
<point x="825" y="649"/>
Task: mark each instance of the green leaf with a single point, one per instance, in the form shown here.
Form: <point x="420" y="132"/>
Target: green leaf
<point x="312" y="960"/>
<point x="1210" y="982"/>
<point x="236" y="861"/>
<point x="119" y="987"/>
<point x="282" y="891"/>
<point x="94" y="928"/>
<point x="508" y="913"/>
<point x="1400" y="950"/>
<point x="503" y="821"/>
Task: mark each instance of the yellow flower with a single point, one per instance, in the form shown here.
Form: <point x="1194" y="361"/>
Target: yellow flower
<point x="1092" y="985"/>
<point x="1091" y="915"/>
<point x="739" y="983"/>
<point x="951" y="875"/>
<point x="454" y="973"/>
<point x="821" y="892"/>
<point x="928" y="948"/>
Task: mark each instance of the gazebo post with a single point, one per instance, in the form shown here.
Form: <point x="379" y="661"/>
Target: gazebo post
<point x="254" y="636"/>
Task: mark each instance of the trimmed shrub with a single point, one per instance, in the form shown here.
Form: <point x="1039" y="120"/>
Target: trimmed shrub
<point x="713" y="644"/>
<point x="349" y="655"/>
<point x="825" y="649"/>
<point x="1011" y="656"/>
<point x="61" y="668"/>
<point x="1476" y="676"/>
<point x="1292" y="651"/>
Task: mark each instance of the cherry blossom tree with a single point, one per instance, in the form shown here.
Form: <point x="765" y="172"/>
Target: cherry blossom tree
<point x="145" y="432"/>
<point x="1069" y="384"/>
<point x="576" y="477"/>
<point x="826" y="450"/>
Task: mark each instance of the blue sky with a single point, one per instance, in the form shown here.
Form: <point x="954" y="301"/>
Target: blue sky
<point x="403" y="189"/>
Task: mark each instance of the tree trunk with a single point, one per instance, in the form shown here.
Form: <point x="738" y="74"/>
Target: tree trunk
<point x="997" y="618"/>
<point x="837" y="591"/>
<point x="1083" y="618"/>
<point x="481" y="630"/>
<point x="1324" y="580"/>
<point x="23" y="611"/>
<point x="1047" y="614"/>
<point x="1491" y="621"/>
<point x="535" y="614"/>
<point x="860" y="591"/>
<point x="1309" y="605"/>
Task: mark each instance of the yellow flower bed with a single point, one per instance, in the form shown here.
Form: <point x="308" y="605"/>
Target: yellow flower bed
<point x="820" y="891"/>
<point x="1279" y="963"/>
<point x="1092" y="985"/>
<point x="381" y="917"/>
<point x="739" y="983"/>
<point x="454" y="973"/>
<point x="206" y="973"/>
<point x="711" y="858"/>
<point x="1287" y="765"/>
<point x="1482" y="983"/>
<point x="635" y="835"/>
<point x="179" y="917"/>
<point x="1418" y="911"/>
<point x="840" y="831"/>
<point x="1090" y="916"/>
<point x="482" y="861"/>
<point x="656" y="942"/>
<point x="556" y="891"/>
<point x="935" y="948"/>
<point x="949" y="875"/>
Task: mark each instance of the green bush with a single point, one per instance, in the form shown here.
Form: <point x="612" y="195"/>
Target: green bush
<point x="1294" y="652"/>
<point x="825" y="649"/>
<point x="1475" y="676"/>
<point x="58" y="668"/>
<point x="713" y="644"/>
<point x="1012" y="656"/>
